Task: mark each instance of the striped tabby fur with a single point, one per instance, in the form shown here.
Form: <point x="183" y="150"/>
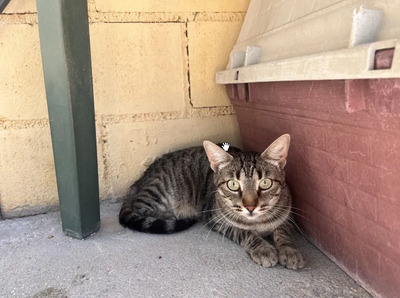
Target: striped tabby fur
<point x="242" y="195"/>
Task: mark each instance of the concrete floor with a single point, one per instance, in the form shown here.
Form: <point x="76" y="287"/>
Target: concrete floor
<point x="37" y="260"/>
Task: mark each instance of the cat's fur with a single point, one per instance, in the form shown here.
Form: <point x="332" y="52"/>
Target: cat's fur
<point x="223" y="188"/>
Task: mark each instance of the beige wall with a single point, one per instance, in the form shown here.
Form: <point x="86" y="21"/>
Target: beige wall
<point x="153" y="74"/>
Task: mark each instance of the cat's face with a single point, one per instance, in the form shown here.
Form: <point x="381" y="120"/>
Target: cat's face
<point x="251" y="186"/>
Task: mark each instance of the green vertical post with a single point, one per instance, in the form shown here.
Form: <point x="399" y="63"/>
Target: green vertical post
<point x="65" y="47"/>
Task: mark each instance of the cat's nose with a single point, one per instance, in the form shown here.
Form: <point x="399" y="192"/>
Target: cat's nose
<point x="250" y="208"/>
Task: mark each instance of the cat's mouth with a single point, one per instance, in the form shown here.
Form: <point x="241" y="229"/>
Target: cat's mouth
<point x="251" y="213"/>
<point x="244" y="213"/>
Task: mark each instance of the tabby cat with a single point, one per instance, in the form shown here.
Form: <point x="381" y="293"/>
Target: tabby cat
<point x="242" y="195"/>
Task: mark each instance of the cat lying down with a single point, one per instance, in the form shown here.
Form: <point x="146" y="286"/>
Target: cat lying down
<point x="242" y="195"/>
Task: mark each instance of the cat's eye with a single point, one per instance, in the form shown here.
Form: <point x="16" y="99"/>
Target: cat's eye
<point x="233" y="185"/>
<point x="265" y="184"/>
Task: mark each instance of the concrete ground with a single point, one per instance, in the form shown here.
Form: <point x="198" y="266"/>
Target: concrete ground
<point x="37" y="260"/>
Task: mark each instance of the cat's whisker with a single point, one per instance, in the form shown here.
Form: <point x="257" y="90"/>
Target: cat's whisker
<point x="208" y="222"/>
<point x="221" y="216"/>
<point x="297" y="227"/>
<point x="296" y="208"/>
<point x="294" y="212"/>
<point x="291" y="221"/>
<point x="229" y="223"/>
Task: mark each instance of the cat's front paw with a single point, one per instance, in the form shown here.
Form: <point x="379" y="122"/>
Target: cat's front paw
<point x="264" y="255"/>
<point x="291" y="258"/>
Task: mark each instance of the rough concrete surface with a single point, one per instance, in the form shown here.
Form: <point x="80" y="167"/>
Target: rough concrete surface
<point x="37" y="260"/>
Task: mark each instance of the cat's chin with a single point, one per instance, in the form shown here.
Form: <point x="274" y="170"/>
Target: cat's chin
<point x="251" y="216"/>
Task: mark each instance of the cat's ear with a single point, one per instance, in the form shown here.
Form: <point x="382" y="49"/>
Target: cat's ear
<point x="216" y="155"/>
<point x="277" y="152"/>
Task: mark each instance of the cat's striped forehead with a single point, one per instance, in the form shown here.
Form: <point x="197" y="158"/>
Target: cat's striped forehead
<point x="247" y="165"/>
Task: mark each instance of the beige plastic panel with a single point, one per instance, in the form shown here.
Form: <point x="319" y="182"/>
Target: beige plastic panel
<point x="304" y="40"/>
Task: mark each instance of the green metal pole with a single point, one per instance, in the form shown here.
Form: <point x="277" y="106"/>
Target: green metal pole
<point x="65" y="47"/>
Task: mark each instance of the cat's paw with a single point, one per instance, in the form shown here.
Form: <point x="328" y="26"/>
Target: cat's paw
<point x="264" y="255"/>
<point x="291" y="258"/>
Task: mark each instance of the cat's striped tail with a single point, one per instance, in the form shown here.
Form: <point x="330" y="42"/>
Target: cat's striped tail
<point x="132" y="220"/>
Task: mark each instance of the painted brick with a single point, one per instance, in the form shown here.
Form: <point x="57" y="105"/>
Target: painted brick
<point x="368" y="261"/>
<point x="353" y="198"/>
<point x="344" y="243"/>
<point x="136" y="76"/>
<point x="388" y="215"/>
<point x="326" y="229"/>
<point x="319" y="181"/>
<point x="385" y="151"/>
<point x="302" y="192"/>
<point x="379" y="182"/>
<point x="301" y="95"/>
<point x="378" y="237"/>
<point x="384" y="94"/>
<point x="390" y="187"/>
<point x="349" y="146"/>
<point x="172" y="6"/>
<point x="274" y="126"/>
<point x="335" y="211"/>
<point x="389" y="273"/>
<point x="365" y="177"/>
<point x="313" y="136"/>
<point x="301" y="187"/>
<point x="298" y="153"/>
<point x="355" y="205"/>
<point x="209" y="47"/>
<point x="22" y="89"/>
<point x="269" y="127"/>
<point x="27" y="173"/>
<point x="310" y="220"/>
<point x="328" y="163"/>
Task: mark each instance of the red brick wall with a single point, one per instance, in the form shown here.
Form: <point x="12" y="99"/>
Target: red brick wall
<point x="343" y="167"/>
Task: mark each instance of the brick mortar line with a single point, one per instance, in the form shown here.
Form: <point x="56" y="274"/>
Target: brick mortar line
<point x="102" y="133"/>
<point x="373" y="166"/>
<point x="187" y="61"/>
<point x="128" y="118"/>
<point x="19" y="18"/>
<point x="163" y="17"/>
<point x="134" y="17"/>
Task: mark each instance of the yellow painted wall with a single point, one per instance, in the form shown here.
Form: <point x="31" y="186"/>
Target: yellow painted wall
<point x="154" y="63"/>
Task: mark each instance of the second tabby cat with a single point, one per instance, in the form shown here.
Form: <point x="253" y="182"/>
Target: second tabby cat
<point x="242" y="195"/>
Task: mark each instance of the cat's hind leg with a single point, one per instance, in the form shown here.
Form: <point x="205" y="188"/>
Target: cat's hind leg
<point x="147" y="211"/>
